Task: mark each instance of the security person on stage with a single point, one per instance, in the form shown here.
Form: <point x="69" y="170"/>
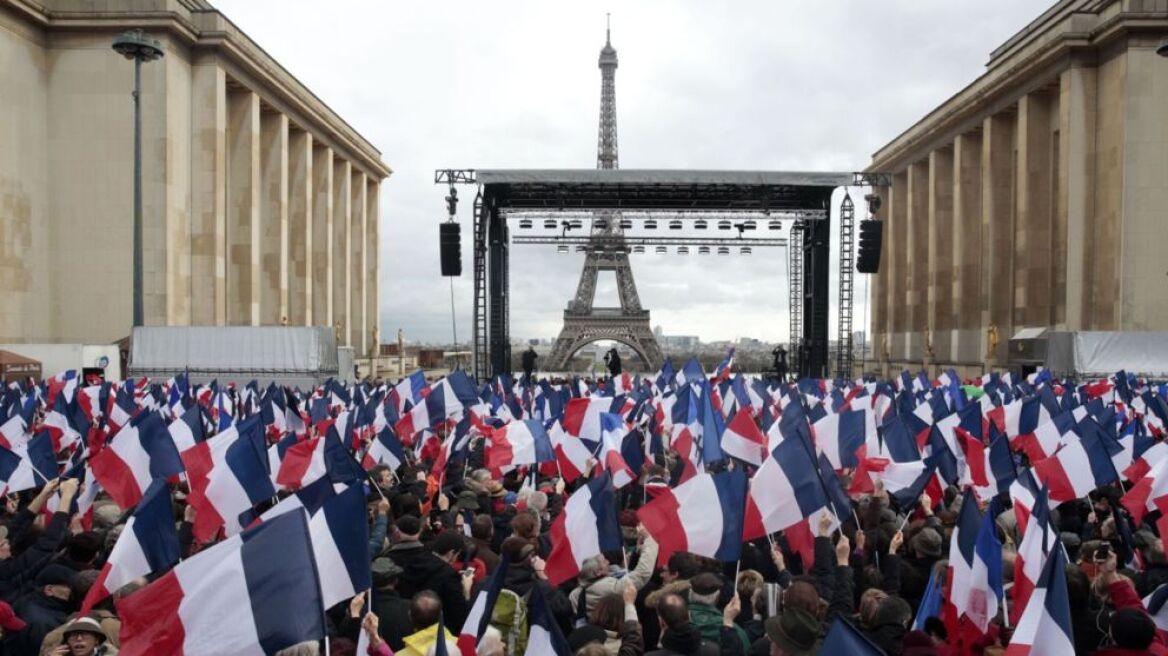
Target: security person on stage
<point x="780" y="363"/>
<point x="529" y="358"/>
<point x="612" y="359"/>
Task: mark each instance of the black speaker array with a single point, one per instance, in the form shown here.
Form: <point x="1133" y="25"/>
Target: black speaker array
<point x="450" y="248"/>
<point x="871" y="238"/>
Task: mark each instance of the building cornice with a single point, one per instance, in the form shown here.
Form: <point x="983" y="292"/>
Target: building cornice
<point x="1029" y="61"/>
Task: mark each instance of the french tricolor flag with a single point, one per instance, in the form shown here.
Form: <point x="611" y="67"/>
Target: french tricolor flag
<point x="518" y="443"/>
<point x="254" y="593"/>
<point x="340" y="546"/>
<point x="479" y="616"/>
<point x="582" y="417"/>
<point x="188" y="429"/>
<point x="571" y="454"/>
<point x="544" y="636"/>
<point x="138" y="454"/>
<point x="784" y="491"/>
<point x="301" y="464"/>
<point x="586" y="527"/>
<point x="148" y="543"/>
<point x="385" y="449"/>
<point x="1081" y="465"/>
<point x="703" y="516"/>
<point x="742" y="439"/>
<point x="838" y="436"/>
<point x="1045" y="626"/>
<point x="613" y="431"/>
<point x="1038" y="539"/>
<point x="228" y="475"/>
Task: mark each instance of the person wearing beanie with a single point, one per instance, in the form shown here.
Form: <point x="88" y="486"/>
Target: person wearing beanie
<point x="45" y="608"/>
<point x="705" y="589"/>
<point x="923" y="551"/>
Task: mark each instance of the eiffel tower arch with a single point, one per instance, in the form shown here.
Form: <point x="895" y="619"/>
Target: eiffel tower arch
<point x="585" y="323"/>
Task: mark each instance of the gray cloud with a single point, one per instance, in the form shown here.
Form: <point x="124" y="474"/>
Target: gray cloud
<point x="802" y="84"/>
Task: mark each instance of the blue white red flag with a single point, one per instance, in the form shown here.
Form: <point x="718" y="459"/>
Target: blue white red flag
<point x="587" y="527"/>
<point x="703" y="516"/>
<point x="254" y="593"/>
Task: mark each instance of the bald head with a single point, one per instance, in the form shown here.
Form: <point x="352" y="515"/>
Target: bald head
<point x="673" y="611"/>
<point x="425" y="608"/>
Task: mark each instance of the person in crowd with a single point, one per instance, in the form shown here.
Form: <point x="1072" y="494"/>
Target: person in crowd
<point x="679" y="637"/>
<point x="599" y="576"/>
<point x="429" y="567"/>
<point x="425" y="611"/>
<point x="482" y="532"/>
<point x="16" y="572"/>
<point x="613" y="624"/>
<point x="44" y="608"/>
<point x="84" y="637"/>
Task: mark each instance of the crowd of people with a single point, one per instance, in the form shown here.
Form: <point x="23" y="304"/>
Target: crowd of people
<point x="458" y="546"/>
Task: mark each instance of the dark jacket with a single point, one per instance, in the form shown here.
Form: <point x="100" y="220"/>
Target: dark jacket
<point x="425" y="571"/>
<point x="484" y="553"/>
<point x="521" y="579"/>
<point x="708" y="621"/>
<point x="43" y="614"/>
<point x="21" y="570"/>
<point x="685" y="642"/>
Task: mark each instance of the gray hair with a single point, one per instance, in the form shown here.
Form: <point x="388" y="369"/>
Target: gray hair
<point x="710" y="599"/>
<point x="537" y="501"/>
<point x="592" y="568"/>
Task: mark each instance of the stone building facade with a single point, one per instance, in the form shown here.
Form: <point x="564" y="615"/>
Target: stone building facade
<point x="1035" y="197"/>
<point x="260" y="203"/>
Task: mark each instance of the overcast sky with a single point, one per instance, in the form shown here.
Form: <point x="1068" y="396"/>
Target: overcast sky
<point x="766" y="84"/>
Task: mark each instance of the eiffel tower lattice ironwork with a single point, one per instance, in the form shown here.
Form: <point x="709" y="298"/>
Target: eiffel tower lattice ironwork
<point x="583" y="322"/>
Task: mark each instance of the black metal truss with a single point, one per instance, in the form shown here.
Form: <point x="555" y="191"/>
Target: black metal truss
<point x="843" y="357"/>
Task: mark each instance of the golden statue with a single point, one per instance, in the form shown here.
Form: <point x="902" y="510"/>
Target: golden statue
<point x="929" y="344"/>
<point x="992" y="339"/>
<point x="337" y="332"/>
<point x="884" y="346"/>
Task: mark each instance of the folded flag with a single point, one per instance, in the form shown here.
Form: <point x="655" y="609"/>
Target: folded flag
<point x="1045" y="626"/>
<point x="148" y="543"/>
<point x="1039" y="537"/>
<point x="254" y="593"/>
<point x="571" y="454"/>
<point x="703" y="516"/>
<point x="586" y="527"/>
<point x="544" y="636"/>
<point x="612" y="437"/>
<point x="479" y="616"/>
<point x="742" y="439"/>
<point x="302" y="463"/>
<point x="137" y="454"/>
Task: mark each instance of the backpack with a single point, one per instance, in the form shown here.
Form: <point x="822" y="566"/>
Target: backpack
<point x="510" y="617"/>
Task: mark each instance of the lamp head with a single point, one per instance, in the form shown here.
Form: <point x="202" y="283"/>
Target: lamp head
<point x="136" y="45"/>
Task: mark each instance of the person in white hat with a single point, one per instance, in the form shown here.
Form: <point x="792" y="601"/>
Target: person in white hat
<point x="84" y="637"/>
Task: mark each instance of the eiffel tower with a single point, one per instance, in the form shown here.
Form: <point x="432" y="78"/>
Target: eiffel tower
<point x="583" y="322"/>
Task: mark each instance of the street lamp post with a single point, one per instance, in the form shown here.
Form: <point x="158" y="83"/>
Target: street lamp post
<point x="137" y="46"/>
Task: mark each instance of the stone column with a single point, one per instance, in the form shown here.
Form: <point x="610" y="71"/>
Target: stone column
<point x="917" y="253"/>
<point x="342" y="216"/>
<point x="357" y="265"/>
<point x="940" y="303"/>
<point x="208" y="194"/>
<point x="175" y="235"/>
<point x="898" y="272"/>
<point x="322" y="236"/>
<point x="1077" y="89"/>
<point x="372" y="248"/>
<point x="243" y="208"/>
<point x="1033" y="289"/>
<point x="966" y="280"/>
<point x="274" y="219"/>
<point x="300" y="183"/>
<point x="997" y="174"/>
